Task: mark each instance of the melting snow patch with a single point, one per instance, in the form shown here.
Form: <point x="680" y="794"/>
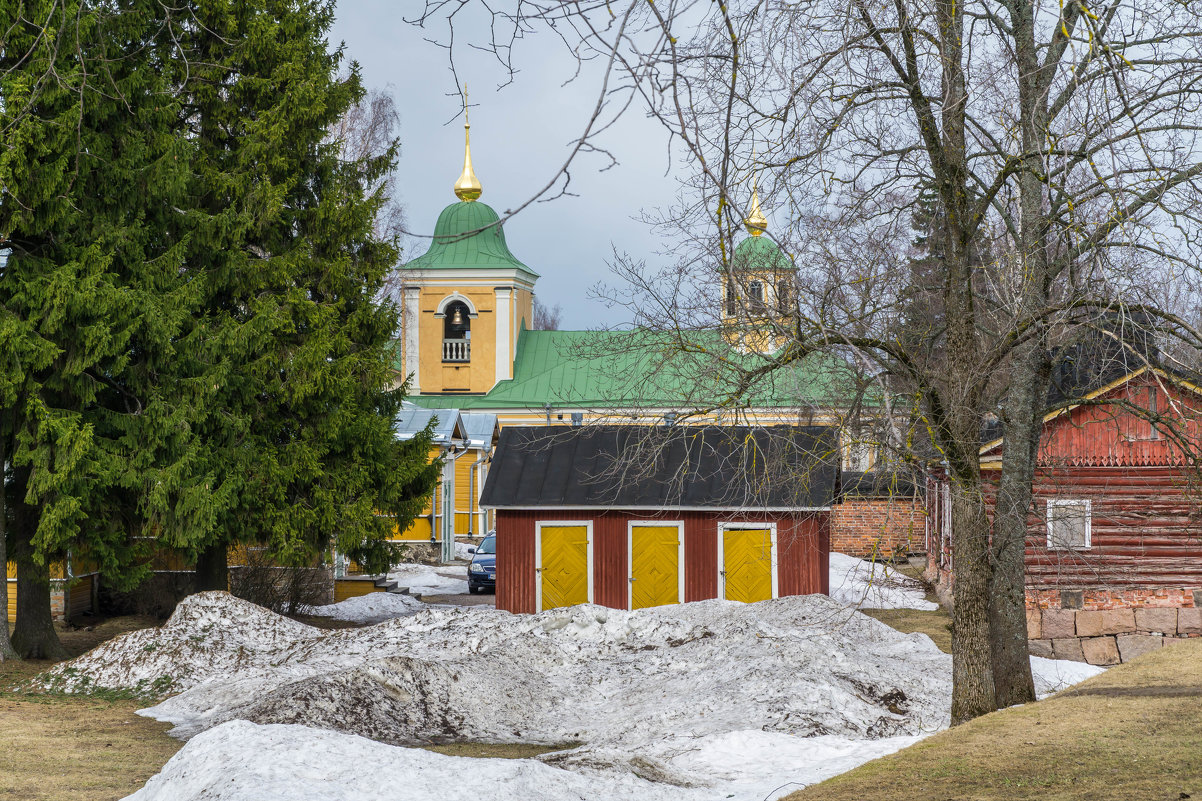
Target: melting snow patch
<point x="1054" y="675"/>
<point x="375" y="607"/>
<point x="242" y="761"/>
<point x="875" y="585"/>
<point x="430" y="579"/>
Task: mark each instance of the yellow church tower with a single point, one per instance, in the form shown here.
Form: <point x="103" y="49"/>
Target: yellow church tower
<point x="759" y="286"/>
<point x="465" y="299"/>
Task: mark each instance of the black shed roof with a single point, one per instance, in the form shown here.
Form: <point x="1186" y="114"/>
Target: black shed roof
<point x="665" y="467"/>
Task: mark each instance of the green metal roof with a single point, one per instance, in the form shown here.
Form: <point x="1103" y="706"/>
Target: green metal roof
<point x="468" y="234"/>
<point x="759" y="253"/>
<point x="609" y="370"/>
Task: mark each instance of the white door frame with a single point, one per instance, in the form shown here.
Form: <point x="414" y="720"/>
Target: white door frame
<point x="741" y="524"/>
<point x="676" y="524"/>
<point x="538" y="556"/>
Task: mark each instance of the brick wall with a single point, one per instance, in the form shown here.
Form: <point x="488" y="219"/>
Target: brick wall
<point x="1099" y="599"/>
<point x="884" y="527"/>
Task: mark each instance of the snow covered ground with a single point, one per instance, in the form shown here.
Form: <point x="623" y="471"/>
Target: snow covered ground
<point x="714" y="699"/>
<point x="874" y="585"/>
<point x="706" y="700"/>
<point x="241" y="760"/>
<point x="375" y="607"/>
<point x="430" y="579"/>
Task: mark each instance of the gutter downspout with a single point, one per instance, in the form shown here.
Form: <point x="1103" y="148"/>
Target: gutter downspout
<point x="472" y="494"/>
<point x="448" y="506"/>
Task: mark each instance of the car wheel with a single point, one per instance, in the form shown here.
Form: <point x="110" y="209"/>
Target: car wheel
<point x="474" y="590"/>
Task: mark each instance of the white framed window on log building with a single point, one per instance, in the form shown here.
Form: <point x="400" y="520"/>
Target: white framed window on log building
<point x="1069" y="524"/>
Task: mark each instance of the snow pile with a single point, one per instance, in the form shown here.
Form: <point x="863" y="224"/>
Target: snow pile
<point x="429" y="579"/>
<point x="461" y="551"/>
<point x="242" y="761"/>
<point x="706" y="700"/>
<point x="211" y="634"/>
<point x="803" y="665"/>
<point x="874" y="585"/>
<point x="375" y="607"/>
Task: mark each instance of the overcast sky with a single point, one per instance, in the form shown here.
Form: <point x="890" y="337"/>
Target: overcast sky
<point x="520" y="136"/>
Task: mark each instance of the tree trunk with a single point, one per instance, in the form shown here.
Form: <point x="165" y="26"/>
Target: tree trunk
<point x="6" y="647"/>
<point x="972" y="663"/>
<point x="1030" y="374"/>
<point x="34" y="636"/>
<point x="1007" y="580"/>
<point x="212" y="568"/>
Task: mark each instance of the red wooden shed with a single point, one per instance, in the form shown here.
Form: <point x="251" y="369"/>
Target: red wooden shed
<point x="632" y="516"/>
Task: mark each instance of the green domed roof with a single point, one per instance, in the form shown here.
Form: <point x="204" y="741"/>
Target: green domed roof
<point x="455" y="246"/>
<point x="760" y="253"/>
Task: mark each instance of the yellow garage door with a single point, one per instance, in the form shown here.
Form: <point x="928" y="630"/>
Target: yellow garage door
<point x="564" y="567"/>
<point x="747" y="564"/>
<point x="654" y="566"/>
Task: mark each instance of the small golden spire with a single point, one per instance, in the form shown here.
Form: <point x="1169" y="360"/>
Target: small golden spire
<point x="755" y="222"/>
<point x="468" y="187"/>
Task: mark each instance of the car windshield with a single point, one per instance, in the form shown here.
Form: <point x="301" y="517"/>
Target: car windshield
<point x="488" y="545"/>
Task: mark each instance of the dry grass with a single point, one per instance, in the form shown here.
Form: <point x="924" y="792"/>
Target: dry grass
<point x="1135" y="732"/>
<point x="933" y="624"/>
<point x="54" y="748"/>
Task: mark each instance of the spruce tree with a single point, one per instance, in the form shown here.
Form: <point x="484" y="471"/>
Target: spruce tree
<point x="92" y="295"/>
<point x="297" y="344"/>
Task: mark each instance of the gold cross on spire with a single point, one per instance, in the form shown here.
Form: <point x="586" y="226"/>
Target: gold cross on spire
<point x="756" y="222"/>
<point x="468" y="187"/>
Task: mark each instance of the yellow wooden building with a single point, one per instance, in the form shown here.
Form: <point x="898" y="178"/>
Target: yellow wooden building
<point x="464" y="441"/>
<point x="74" y="584"/>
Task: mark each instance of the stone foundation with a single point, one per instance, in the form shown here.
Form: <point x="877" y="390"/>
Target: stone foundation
<point x="1109" y="636"/>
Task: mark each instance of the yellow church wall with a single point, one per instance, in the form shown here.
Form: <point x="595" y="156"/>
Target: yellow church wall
<point x="476" y="375"/>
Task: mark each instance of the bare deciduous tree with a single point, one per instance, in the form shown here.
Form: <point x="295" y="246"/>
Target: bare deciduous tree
<point x="546" y="318"/>
<point x="368" y="130"/>
<point x="1058" y="142"/>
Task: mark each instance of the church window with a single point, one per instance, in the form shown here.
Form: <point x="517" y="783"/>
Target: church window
<point x="730" y="298"/>
<point x="782" y="297"/>
<point x="755" y="296"/>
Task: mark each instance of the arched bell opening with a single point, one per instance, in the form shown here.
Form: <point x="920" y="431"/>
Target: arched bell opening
<point x="456" y="333"/>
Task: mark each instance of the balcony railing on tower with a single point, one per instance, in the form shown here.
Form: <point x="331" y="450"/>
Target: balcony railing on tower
<point x="456" y="350"/>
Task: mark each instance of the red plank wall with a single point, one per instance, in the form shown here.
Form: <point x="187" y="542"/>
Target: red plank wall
<point x="803" y="553"/>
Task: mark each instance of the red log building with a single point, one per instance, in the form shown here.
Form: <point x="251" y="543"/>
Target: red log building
<point x="1114" y="542"/>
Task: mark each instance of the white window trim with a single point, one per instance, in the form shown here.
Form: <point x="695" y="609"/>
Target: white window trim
<point x="1054" y="502"/>
<point x="441" y="312"/>
<point x="743" y="524"/>
<point x="538" y="556"/>
<point x="676" y="524"/>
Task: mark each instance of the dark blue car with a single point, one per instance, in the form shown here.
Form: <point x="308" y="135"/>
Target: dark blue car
<point x="482" y="572"/>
